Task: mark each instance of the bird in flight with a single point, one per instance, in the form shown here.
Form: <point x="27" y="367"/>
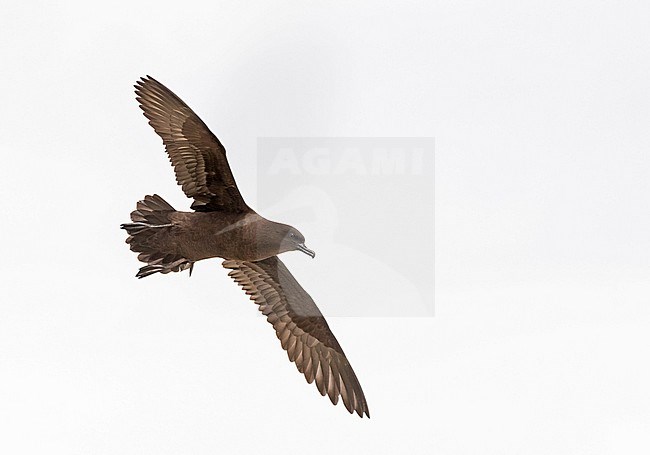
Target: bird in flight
<point x="223" y="226"/>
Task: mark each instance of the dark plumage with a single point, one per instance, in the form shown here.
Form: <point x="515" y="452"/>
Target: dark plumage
<point x="223" y="226"/>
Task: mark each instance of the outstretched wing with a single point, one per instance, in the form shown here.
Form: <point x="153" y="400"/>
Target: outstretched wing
<point x="301" y="328"/>
<point x="198" y="157"/>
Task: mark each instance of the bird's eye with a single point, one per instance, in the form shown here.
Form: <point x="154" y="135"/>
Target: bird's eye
<point x="291" y="234"/>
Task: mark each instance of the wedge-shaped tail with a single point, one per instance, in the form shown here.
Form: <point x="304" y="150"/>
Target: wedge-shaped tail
<point x="149" y="235"/>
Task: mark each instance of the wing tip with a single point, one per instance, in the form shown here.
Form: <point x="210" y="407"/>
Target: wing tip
<point x="363" y="411"/>
<point x="142" y="83"/>
<point x="360" y="410"/>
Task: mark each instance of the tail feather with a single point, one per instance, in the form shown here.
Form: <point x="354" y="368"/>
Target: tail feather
<point x="149" y="236"/>
<point x="152" y="210"/>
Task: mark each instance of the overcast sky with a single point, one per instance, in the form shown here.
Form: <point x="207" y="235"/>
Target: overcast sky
<point x="540" y="340"/>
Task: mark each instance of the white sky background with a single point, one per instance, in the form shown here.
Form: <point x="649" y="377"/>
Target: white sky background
<point x="540" y="112"/>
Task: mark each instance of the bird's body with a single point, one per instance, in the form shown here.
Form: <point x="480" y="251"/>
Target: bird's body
<point x="194" y="236"/>
<point x="203" y="235"/>
<point x="222" y="225"/>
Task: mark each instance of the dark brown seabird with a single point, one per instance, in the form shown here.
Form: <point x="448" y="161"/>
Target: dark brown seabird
<point x="223" y="226"/>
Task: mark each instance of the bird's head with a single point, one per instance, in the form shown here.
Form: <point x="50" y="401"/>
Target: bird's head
<point x="293" y="240"/>
<point x="268" y="238"/>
